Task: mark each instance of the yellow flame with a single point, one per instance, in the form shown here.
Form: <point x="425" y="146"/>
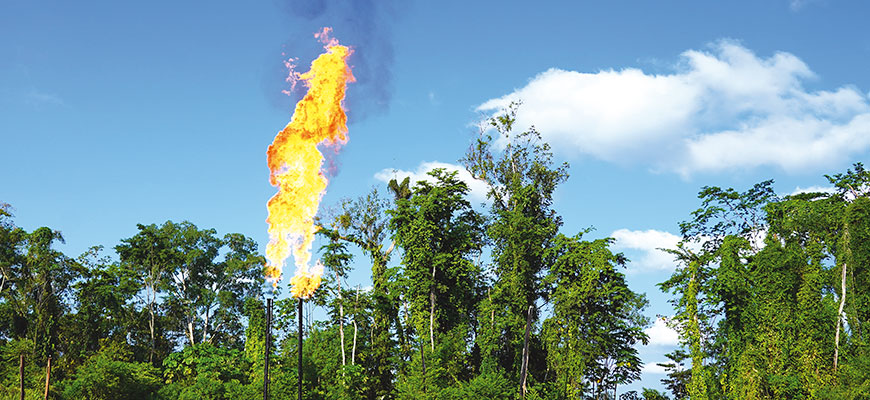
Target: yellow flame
<point x="295" y="165"/>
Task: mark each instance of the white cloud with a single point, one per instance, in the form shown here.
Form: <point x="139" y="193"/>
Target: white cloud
<point x="813" y="189"/>
<point x="477" y="188"/>
<point x="647" y="243"/>
<point x="660" y="334"/>
<point x="719" y="110"/>
<point x="653" y="368"/>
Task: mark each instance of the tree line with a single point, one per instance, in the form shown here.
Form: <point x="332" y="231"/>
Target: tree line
<point x="769" y="291"/>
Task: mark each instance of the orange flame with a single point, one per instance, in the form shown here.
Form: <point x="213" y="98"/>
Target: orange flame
<point x="295" y="164"/>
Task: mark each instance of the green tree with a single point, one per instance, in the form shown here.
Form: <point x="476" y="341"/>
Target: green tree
<point x="440" y="235"/>
<point x="102" y="298"/>
<point x="596" y="320"/>
<point x="111" y="374"/>
<point x="521" y="178"/>
<point x="183" y="274"/>
<point x="364" y="223"/>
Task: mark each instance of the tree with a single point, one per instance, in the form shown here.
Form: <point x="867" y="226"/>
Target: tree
<point x="35" y="299"/>
<point x="364" y="223"/>
<point x="521" y="178"/>
<point x="102" y="297"/>
<point x="596" y="319"/>
<point x="203" y="294"/>
<point x="111" y="374"/>
<point x="440" y="235"/>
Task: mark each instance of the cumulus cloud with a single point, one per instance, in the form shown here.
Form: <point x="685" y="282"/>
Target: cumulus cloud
<point x="720" y="109"/>
<point x="660" y="334"/>
<point x="477" y="188"/>
<point x="647" y="244"/>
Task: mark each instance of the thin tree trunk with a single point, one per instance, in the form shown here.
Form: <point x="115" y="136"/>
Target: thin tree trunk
<point x="21" y="373"/>
<point x="432" y="320"/>
<point x="341" y="321"/>
<point x="353" y="351"/>
<point x="190" y="332"/>
<point x="356" y="309"/>
<point x="151" y="328"/>
<point x="524" y="371"/>
<point x="840" y="317"/>
<point x="432" y="311"/>
<point x="205" y="327"/>
<point x="47" y="377"/>
<point x="848" y="256"/>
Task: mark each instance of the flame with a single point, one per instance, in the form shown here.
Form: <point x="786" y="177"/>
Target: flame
<point x="295" y="164"/>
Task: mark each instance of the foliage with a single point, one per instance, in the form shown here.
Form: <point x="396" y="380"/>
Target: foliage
<point x="110" y="374"/>
<point x="521" y="179"/>
<point x="770" y="297"/>
<point x="596" y="319"/>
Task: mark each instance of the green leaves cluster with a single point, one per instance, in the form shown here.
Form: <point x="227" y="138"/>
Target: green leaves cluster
<point x="761" y="291"/>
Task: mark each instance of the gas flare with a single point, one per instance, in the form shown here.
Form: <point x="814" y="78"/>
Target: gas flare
<point x="295" y="164"/>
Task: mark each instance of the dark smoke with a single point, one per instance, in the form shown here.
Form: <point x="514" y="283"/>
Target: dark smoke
<point x="365" y="26"/>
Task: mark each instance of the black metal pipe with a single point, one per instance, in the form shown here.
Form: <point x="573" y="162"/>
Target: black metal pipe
<point x="299" y="367"/>
<point x="268" y="348"/>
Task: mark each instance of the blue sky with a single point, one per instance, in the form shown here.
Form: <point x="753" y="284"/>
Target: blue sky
<point x="118" y="113"/>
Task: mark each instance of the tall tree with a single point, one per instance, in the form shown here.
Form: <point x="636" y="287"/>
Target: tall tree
<point x="522" y="178"/>
<point x="364" y="223"/>
<point x="440" y="235"/>
<point x="150" y="256"/>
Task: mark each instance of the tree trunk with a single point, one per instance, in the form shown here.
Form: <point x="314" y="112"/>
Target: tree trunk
<point x="205" y="327"/>
<point x="356" y="307"/>
<point x="848" y="256"/>
<point x="524" y="370"/>
<point x="341" y="321"/>
<point x="840" y="317"/>
<point x="151" y="328"/>
<point x="21" y="374"/>
<point x="47" y="377"/>
<point x="190" y="332"/>
<point x="353" y="351"/>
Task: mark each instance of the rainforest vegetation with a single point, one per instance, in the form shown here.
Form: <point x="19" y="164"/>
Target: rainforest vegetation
<point x="771" y="292"/>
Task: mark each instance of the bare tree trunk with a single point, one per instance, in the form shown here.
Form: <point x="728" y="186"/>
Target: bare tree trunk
<point x="21" y="373"/>
<point x="151" y="328"/>
<point x="190" y="332"/>
<point x="47" y="377"/>
<point x="524" y="371"/>
<point x="840" y="317"/>
<point x="353" y="351"/>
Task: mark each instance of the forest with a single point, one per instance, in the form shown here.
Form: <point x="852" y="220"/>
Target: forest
<point x="770" y="293"/>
